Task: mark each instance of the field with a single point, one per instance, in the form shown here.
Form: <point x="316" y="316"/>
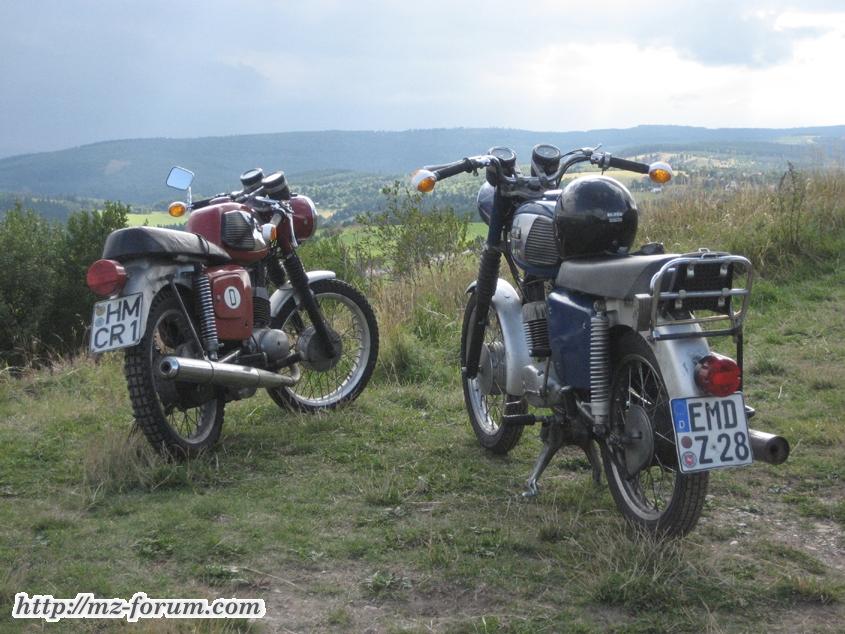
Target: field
<point x="154" y="219"/>
<point x="386" y="516"/>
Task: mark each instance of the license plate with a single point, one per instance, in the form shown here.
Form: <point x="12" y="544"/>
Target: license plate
<point x="116" y="323"/>
<point x="711" y="432"/>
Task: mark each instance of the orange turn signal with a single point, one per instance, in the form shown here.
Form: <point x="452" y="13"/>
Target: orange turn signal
<point x="660" y="172"/>
<point x="269" y="232"/>
<point x="177" y="209"/>
<point x="424" y="180"/>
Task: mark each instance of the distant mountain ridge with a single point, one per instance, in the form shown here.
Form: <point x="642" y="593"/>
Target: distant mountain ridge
<point x="134" y="170"/>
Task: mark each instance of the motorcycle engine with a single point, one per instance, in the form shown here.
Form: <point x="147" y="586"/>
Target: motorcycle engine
<point x="272" y="342"/>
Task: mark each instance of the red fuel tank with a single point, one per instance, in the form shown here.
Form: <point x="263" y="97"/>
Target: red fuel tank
<point x="232" y="227"/>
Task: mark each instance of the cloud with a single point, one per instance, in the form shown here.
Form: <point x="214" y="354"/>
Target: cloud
<point x="86" y="71"/>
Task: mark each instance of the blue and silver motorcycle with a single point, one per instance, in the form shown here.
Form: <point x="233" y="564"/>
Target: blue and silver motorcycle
<point x="610" y="342"/>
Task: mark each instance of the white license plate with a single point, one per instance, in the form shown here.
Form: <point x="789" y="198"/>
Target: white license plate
<point x="116" y="323"/>
<point x="711" y="432"/>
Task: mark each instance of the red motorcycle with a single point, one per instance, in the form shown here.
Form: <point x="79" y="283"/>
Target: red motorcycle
<point x="200" y="328"/>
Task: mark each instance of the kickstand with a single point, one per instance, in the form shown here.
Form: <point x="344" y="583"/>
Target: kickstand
<point x="553" y="438"/>
<point x="593" y="457"/>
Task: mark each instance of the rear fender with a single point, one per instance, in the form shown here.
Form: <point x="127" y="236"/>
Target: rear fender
<point x="281" y="296"/>
<point x="149" y="277"/>
<point x="677" y="359"/>
<point x="508" y="306"/>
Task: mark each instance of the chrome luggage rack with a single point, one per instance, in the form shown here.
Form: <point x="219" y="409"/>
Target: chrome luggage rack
<point x="711" y="276"/>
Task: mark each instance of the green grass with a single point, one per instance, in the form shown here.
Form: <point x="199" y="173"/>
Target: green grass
<point x="154" y="219"/>
<point x="388" y="515"/>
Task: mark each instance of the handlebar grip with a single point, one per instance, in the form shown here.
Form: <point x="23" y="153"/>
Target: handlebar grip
<point x="198" y="204"/>
<point x="631" y="166"/>
<point x="464" y="165"/>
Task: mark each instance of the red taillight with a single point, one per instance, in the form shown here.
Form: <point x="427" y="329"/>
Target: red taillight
<point x="718" y="375"/>
<point x="105" y="277"/>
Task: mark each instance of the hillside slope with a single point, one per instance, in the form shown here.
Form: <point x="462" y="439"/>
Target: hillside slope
<point x="133" y="171"/>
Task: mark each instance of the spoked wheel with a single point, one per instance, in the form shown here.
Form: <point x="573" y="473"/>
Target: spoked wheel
<point x="485" y="396"/>
<point x="640" y="457"/>
<point x="176" y="417"/>
<point x="328" y="382"/>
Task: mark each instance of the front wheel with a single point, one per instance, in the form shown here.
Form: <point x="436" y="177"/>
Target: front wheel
<point x="328" y="382"/>
<point x="176" y="417"/>
<point x="639" y="454"/>
<point x="485" y="396"/>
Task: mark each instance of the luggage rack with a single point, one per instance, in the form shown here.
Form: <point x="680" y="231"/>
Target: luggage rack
<point x="697" y="281"/>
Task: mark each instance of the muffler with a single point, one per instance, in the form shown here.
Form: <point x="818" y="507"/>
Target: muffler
<point x="225" y="374"/>
<point x="768" y="447"/>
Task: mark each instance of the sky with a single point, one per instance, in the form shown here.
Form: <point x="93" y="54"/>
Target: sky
<point x="74" y="72"/>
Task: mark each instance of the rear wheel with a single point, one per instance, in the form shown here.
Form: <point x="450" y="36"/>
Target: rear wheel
<point x="176" y="417"/>
<point x="640" y="457"/>
<point x="485" y="396"/>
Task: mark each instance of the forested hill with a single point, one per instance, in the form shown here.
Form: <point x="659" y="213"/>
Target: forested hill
<point x="133" y="171"/>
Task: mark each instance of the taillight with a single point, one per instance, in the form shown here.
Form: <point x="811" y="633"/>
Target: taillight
<point x="105" y="277"/>
<point x="718" y="375"/>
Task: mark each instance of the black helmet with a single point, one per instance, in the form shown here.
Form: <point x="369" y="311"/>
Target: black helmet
<point x="594" y="215"/>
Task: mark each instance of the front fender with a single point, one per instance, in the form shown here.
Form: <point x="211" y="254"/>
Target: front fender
<point x="149" y="277"/>
<point x="281" y="296"/>
<point x="508" y="307"/>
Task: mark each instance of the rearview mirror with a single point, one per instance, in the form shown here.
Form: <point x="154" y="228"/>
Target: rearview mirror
<point x="180" y="178"/>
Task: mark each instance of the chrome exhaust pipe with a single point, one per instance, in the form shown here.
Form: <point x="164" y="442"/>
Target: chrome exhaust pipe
<point x="225" y="374"/>
<point x="768" y="447"/>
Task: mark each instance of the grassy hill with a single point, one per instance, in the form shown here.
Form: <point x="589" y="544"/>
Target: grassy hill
<point x="133" y="171"/>
<point x="387" y="516"/>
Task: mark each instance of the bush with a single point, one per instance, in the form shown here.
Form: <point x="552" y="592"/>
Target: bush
<point x="349" y="261"/>
<point x="798" y="223"/>
<point x="411" y="239"/>
<point x="44" y="302"/>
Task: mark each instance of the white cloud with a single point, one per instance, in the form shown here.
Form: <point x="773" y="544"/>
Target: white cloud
<point x="87" y="71"/>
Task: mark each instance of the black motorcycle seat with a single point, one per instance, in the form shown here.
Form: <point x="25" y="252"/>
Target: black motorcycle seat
<point x="612" y="276"/>
<point x="136" y="242"/>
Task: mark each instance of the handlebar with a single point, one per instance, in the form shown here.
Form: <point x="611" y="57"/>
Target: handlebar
<point x="624" y="164"/>
<point x="517" y="184"/>
<point x="452" y="169"/>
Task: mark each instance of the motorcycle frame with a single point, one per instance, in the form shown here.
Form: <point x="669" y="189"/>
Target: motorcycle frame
<point x="677" y="346"/>
<point x="149" y="277"/>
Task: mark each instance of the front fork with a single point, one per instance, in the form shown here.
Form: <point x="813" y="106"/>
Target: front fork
<point x="299" y="282"/>
<point x="488" y="277"/>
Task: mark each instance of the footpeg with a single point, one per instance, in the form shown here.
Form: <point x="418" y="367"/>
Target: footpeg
<point x="518" y="420"/>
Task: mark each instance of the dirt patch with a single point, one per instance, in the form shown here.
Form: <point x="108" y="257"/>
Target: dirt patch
<point x="299" y="600"/>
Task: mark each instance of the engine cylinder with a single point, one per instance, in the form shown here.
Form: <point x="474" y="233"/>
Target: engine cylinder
<point x="536" y="324"/>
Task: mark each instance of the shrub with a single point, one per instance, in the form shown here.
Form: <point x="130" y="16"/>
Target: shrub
<point x="411" y="239"/>
<point x="44" y="303"/>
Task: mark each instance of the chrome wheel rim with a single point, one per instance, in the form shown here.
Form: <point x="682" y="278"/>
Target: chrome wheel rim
<point x="488" y="409"/>
<point x="346" y="319"/>
<point x="170" y="336"/>
<point x="649" y="491"/>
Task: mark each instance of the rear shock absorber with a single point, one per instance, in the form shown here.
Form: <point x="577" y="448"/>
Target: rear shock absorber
<point x="600" y="368"/>
<point x="208" y="325"/>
